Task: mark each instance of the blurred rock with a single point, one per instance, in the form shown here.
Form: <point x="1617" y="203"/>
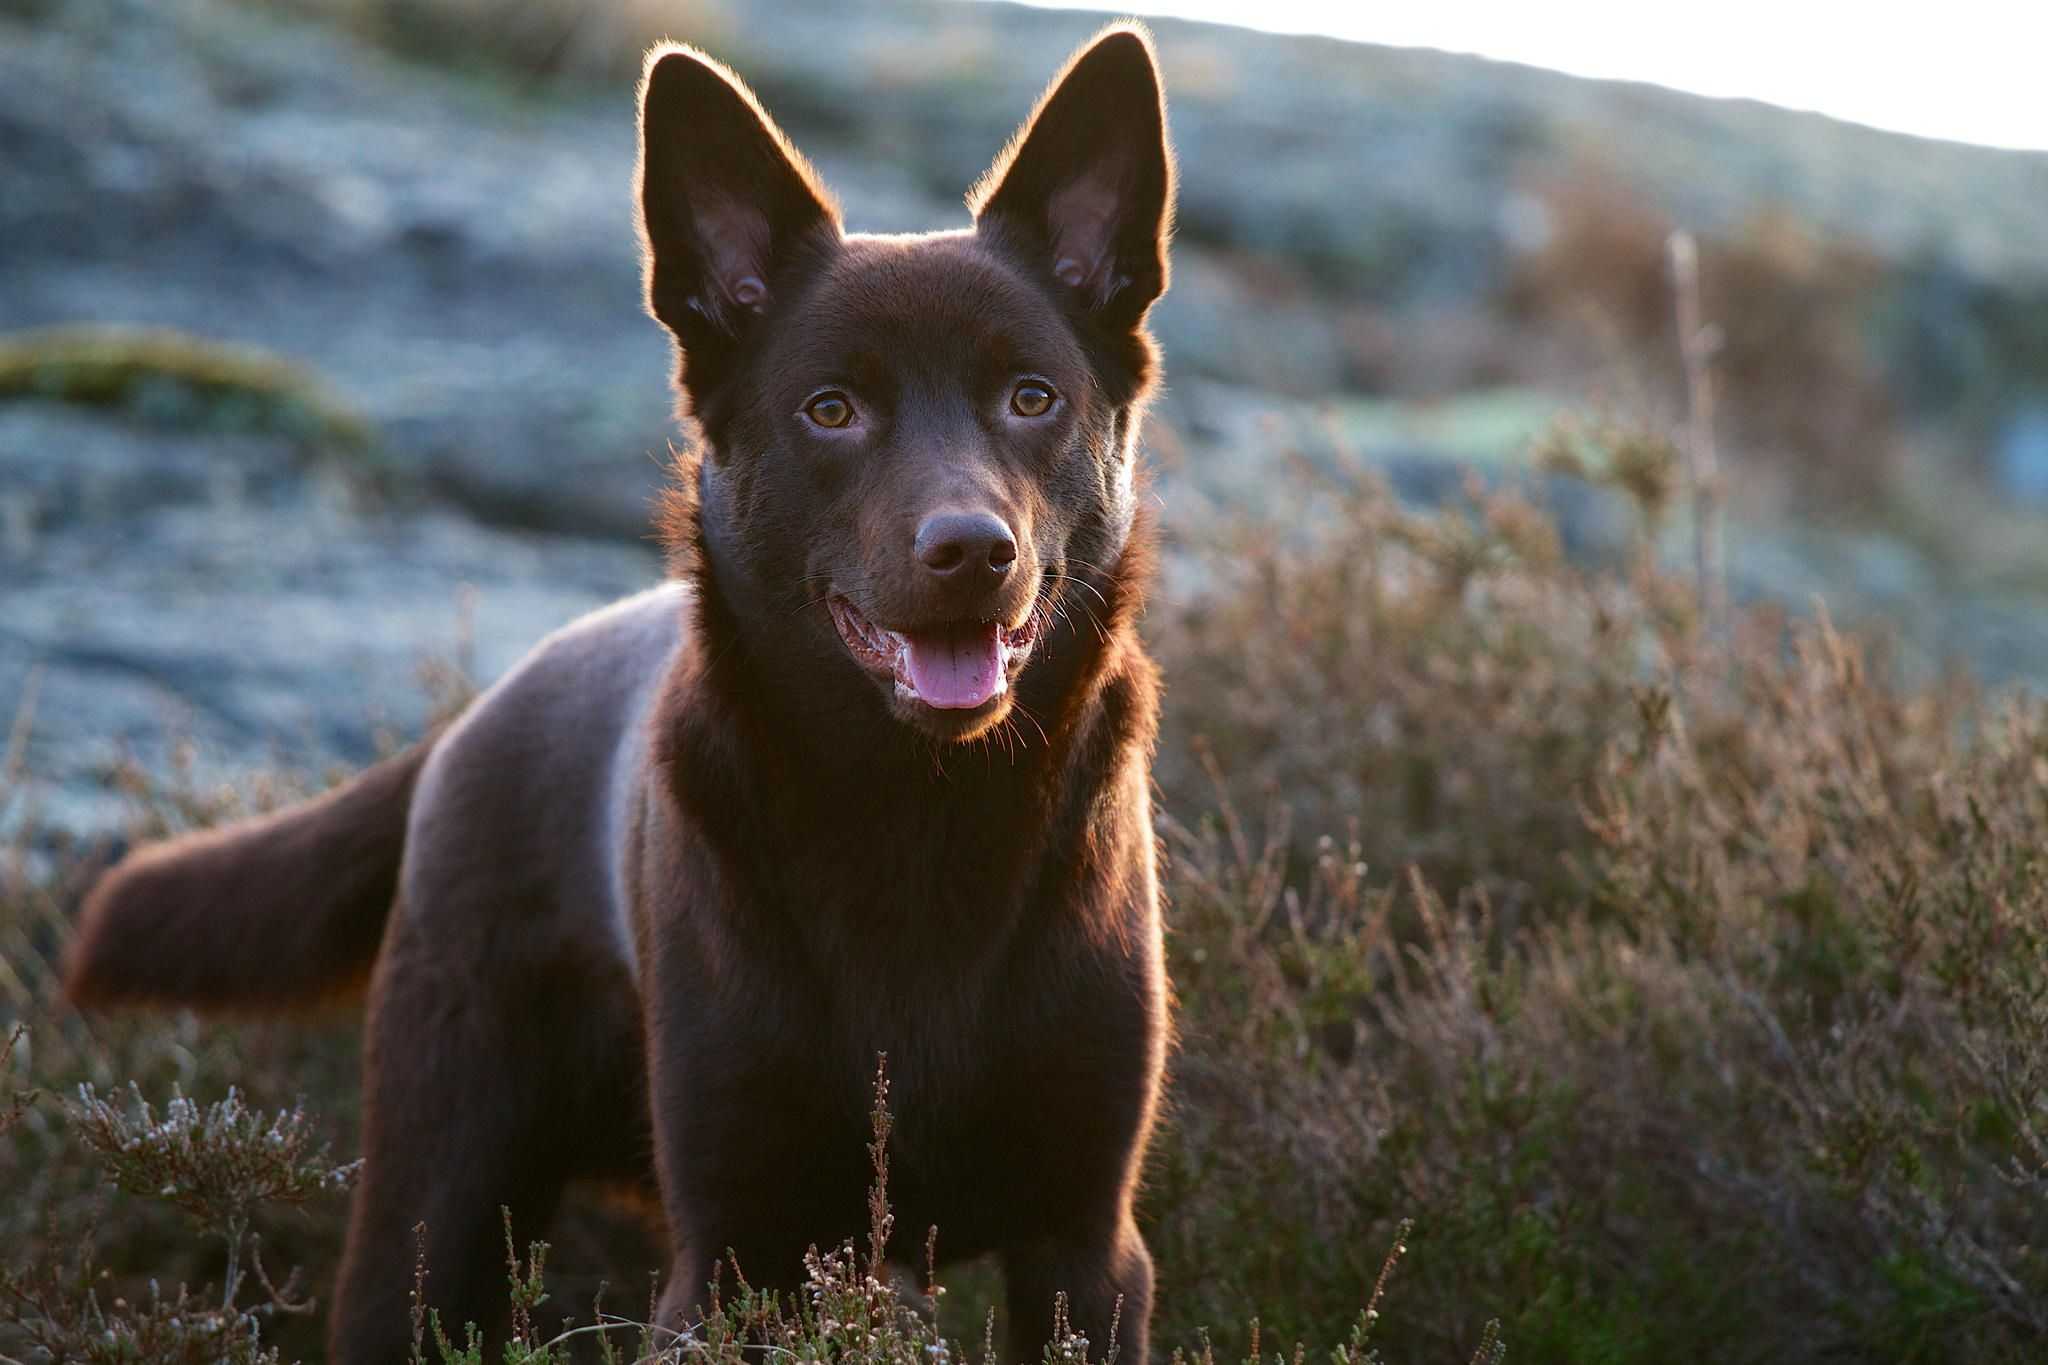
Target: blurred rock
<point x="172" y="587"/>
<point x="2020" y="458"/>
<point x="463" y="270"/>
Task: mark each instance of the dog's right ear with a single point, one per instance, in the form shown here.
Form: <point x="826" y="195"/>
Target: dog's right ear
<point x="725" y="204"/>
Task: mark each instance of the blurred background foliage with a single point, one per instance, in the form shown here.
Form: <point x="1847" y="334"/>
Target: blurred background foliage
<point x="1680" y="974"/>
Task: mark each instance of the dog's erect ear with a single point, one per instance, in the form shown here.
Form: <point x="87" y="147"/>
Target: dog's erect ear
<point x="1087" y="183"/>
<point x="724" y="200"/>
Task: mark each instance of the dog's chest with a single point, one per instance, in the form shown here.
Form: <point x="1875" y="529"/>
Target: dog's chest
<point x="949" y="990"/>
<point x="976" y="1080"/>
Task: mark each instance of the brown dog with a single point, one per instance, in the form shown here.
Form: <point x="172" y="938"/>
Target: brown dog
<point x="872" y="777"/>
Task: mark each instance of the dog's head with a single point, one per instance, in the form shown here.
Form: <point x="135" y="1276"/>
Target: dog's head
<point x="918" y="450"/>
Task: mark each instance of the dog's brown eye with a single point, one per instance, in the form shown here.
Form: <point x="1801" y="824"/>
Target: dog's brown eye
<point x="1031" y="399"/>
<point x="829" y="410"/>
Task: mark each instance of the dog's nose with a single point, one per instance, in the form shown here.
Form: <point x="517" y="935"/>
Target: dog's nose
<point x="966" y="545"/>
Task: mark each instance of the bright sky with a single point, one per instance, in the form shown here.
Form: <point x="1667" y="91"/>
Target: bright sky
<point x="1968" y="70"/>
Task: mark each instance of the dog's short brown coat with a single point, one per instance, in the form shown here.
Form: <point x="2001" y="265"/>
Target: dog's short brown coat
<point x="650" y="908"/>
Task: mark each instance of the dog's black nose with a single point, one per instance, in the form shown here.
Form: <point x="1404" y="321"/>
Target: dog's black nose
<point x="966" y="545"/>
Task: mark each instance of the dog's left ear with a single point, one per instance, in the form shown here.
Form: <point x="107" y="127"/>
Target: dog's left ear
<point x="1086" y="185"/>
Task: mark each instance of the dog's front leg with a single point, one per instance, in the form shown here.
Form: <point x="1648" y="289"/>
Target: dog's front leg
<point x="755" y="1164"/>
<point x="764" y="1254"/>
<point x="1107" y="1278"/>
<point x="685" y="1293"/>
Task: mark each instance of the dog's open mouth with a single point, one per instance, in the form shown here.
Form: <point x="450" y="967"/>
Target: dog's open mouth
<point x="955" y="667"/>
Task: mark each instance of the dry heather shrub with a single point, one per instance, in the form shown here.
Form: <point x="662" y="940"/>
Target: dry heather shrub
<point x="215" y="1164"/>
<point x="1802" y="386"/>
<point x="77" y="1260"/>
<point x="1868" y="870"/>
<point x="1702" y="1014"/>
<point x="1438" y="681"/>
<point x="64" y="1315"/>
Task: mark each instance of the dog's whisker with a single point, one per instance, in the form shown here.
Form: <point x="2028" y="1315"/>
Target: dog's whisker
<point x="1101" y="632"/>
<point x="1019" y="708"/>
<point x="806" y="606"/>
<point x="1082" y="583"/>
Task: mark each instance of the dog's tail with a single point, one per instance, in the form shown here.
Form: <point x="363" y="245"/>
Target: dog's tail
<point x="282" y="911"/>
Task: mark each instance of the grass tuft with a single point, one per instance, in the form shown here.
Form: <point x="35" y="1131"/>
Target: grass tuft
<point x="175" y="378"/>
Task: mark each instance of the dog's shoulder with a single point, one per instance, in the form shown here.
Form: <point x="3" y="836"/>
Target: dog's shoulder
<point x="533" y="784"/>
<point x="626" y="642"/>
<point x="578" y="684"/>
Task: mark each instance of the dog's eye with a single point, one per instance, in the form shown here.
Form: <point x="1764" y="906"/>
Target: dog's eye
<point x="1031" y="399"/>
<point x="830" y="409"/>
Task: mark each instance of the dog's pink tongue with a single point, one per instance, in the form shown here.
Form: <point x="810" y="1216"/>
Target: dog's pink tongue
<point x="957" y="670"/>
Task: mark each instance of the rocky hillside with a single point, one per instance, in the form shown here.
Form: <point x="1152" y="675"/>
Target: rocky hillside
<point x="432" y="250"/>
